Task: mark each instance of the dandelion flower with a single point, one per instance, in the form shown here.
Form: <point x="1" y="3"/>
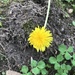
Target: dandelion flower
<point x="40" y="38"/>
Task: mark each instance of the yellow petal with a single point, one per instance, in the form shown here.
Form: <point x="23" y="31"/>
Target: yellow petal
<point x="40" y="38"/>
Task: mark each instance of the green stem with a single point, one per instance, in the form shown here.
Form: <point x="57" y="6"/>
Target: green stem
<point x="48" y="9"/>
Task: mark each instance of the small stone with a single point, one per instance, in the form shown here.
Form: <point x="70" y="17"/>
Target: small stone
<point x="10" y="72"/>
<point x="70" y="11"/>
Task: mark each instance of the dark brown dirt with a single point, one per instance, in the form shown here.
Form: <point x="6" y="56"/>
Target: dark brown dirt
<point x="21" y="18"/>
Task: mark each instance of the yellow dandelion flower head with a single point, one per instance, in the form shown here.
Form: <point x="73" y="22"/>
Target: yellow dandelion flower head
<point x="40" y="38"/>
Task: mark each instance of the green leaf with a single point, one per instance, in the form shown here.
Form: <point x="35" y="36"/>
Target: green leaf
<point x="52" y="60"/>
<point x="66" y="14"/>
<point x="3" y="73"/>
<point x="73" y="22"/>
<point x="64" y="74"/>
<point x="68" y="0"/>
<point x="57" y="74"/>
<point x="65" y="71"/>
<point x="73" y="62"/>
<point x="33" y="63"/>
<point x="68" y="67"/>
<point x="63" y="66"/>
<point x="57" y="66"/>
<point x="73" y="56"/>
<point x="60" y="71"/>
<point x="73" y="5"/>
<point x="44" y="72"/>
<point x="70" y="49"/>
<point x="62" y="48"/>
<point x="35" y="71"/>
<point x="5" y="1"/>
<point x="0" y="24"/>
<point x="24" y="74"/>
<point x="67" y="56"/>
<point x="24" y="69"/>
<point x="29" y="73"/>
<point x="41" y="64"/>
<point x="60" y="58"/>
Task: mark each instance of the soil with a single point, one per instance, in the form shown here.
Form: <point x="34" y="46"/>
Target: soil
<point x="21" y="18"/>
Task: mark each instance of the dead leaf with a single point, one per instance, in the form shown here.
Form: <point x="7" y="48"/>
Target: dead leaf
<point x="10" y="72"/>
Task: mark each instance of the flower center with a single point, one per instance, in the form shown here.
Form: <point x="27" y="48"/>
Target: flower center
<point x="40" y="38"/>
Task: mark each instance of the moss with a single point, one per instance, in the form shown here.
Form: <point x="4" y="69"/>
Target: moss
<point x="59" y="3"/>
<point x="4" y="3"/>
